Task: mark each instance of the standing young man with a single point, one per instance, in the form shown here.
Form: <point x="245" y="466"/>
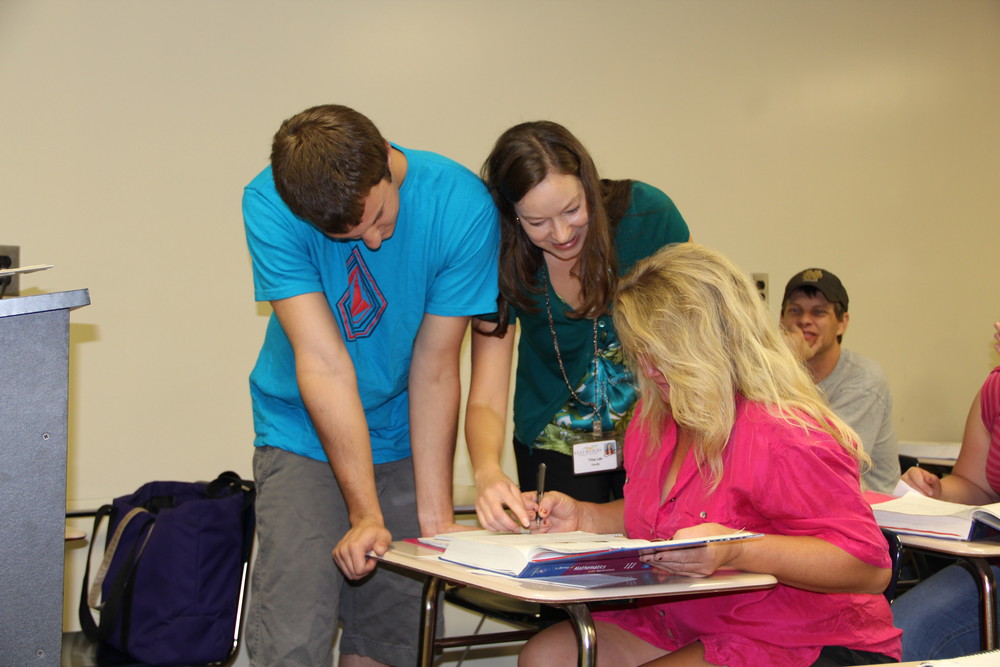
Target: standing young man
<point x="814" y="313"/>
<point x="373" y="257"/>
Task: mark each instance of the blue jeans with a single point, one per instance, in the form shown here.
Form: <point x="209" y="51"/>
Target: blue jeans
<point x="939" y="617"/>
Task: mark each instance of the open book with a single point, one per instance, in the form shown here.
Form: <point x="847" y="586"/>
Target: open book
<point x="915" y="514"/>
<point x="553" y="554"/>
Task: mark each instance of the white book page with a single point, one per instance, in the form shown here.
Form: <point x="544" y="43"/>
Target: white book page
<point x="915" y="503"/>
<point x="987" y="659"/>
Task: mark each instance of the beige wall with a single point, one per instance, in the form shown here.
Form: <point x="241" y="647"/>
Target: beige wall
<point x="860" y="136"/>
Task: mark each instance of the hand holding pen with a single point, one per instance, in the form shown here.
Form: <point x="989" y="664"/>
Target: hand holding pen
<point x="556" y="512"/>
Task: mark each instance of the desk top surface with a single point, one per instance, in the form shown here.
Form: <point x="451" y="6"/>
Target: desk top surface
<point x="952" y="547"/>
<point x="425" y="560"/>
<point x="40" y="303"/>
<point x="945" y="451"/>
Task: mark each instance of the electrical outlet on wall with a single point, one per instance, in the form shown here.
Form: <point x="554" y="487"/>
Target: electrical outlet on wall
<point x="761" y="283"/>
<point x="10" y="258"/>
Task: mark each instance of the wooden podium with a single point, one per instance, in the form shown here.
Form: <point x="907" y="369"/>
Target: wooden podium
<point x="34" y="389"/>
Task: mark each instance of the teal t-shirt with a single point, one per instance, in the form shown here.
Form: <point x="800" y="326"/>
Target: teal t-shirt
<point x="441" y="259"/>
<point x="650" y="222"/>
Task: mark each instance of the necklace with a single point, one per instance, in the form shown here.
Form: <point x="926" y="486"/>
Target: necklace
<point x="596" y="426"/>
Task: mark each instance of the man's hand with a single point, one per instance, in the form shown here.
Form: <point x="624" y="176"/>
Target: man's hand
<point x="351" y="553"/>
<point x="796" y="342"/>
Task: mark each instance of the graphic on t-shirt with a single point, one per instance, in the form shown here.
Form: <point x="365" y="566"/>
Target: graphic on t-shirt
<point x="362" y="303"/>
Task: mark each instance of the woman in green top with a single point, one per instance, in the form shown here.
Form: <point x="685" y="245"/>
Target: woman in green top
<point x="566" y="237"/>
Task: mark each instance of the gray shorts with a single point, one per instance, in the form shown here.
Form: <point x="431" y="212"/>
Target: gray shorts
<point x="297" y="592"/>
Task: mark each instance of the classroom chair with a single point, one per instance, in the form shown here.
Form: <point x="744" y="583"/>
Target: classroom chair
<point x="896" y="556"/>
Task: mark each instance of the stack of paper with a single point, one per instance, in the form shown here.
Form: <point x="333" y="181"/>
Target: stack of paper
<point x="916" y="514"/>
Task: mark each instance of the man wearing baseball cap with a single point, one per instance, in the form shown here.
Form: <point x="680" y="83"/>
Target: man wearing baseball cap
<point x="814" y="315"/>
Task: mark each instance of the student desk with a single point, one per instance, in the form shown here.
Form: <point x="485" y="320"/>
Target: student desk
<point x="974" y="556"/>
<point x="937" y="457"/>
<point x="572" y="600"/>
<point x="939" y="454"/>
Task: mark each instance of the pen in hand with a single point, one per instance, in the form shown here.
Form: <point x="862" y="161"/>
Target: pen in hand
<point x="540" y="486"/>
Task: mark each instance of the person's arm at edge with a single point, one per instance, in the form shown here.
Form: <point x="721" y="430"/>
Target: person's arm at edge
<point x="328" y="384"/>
<point x="805" y="562"/>
<point x="485" y="425"/>
<point x="967" y="482"/>
<point x="435" y="388"/>
<point x="810" y="563"/>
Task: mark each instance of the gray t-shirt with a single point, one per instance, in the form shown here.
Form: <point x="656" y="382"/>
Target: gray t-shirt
<point x="859" y="393"/>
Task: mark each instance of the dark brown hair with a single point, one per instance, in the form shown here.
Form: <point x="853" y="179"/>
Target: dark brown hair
<point x="325" y="161"/>
<point x="522" y="158"/>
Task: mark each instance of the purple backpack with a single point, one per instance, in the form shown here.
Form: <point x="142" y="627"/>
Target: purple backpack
<point x="170" y="585"/>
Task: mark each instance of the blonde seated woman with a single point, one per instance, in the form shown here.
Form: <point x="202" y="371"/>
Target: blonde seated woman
<point x="731" y="434"/>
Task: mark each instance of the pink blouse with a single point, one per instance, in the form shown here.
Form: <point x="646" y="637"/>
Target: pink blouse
<point x="777" y="479"/>
<point x="989" y="406"/>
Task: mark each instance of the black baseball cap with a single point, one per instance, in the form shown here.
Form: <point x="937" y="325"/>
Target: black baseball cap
<point x="827" y="283"/>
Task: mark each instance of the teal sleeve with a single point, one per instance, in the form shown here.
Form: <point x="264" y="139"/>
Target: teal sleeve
<point x="651" y="222"/>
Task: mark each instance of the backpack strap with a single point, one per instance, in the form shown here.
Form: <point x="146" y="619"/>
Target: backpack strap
<point x="118" y="599"/>
<point x="94" y="597"/>
<point x="118" y="604"/>
<point x="87" y="623"/>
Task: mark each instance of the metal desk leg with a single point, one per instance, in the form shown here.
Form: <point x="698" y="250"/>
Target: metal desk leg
<point x="428" y="620"/>
<point x="983" y="573"/>
<point x="586" y="636"/>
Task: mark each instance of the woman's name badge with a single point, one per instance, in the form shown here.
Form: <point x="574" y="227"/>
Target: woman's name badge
<point x="596" y="456"/>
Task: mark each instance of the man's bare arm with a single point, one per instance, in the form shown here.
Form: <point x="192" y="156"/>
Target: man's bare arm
<point x="435" y="389"/>
<point x="329" y="388"/>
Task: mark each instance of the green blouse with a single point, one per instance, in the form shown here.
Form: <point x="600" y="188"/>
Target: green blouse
<point x="650" y="222"/>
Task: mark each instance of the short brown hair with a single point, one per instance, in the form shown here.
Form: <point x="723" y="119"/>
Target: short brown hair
<point x="325" y="161"/>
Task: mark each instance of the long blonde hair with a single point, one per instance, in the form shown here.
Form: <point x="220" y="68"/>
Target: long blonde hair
<point x="695" y="316"/>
